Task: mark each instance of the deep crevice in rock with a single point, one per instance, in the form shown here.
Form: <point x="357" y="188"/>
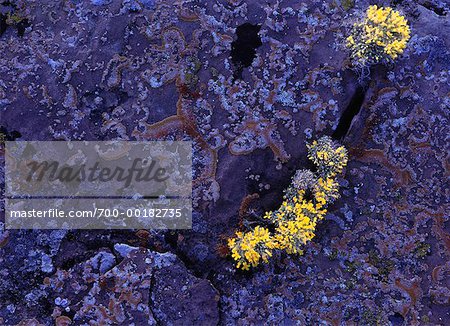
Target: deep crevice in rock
<point x="150" y="299"/>
<point x="243" y="49"/>
<point x="396" y="319"/>
<point x="349" y="113"/>
<point x="8" y="14"/>
<point x="440" y="11"/>
<point x="3" y="24"/>
<point x="9" y="135"/>
<point x="21" y="26"/>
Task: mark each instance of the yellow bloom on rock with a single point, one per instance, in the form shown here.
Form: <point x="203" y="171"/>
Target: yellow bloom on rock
<point x="329" y="157"/>
<point x="382" y="35"/>
<point x="296" y="219"/>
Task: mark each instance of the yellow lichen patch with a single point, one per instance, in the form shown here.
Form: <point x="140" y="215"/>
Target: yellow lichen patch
<point x="382" y="35"/>
<point x="296" y="219"/>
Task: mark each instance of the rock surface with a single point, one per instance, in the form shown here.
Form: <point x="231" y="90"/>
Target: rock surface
<point x="98" y="70"/>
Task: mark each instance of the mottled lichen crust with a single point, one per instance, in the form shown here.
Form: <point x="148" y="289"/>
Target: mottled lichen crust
<point x="98" y="70"/>
<point x="137" y="290"/>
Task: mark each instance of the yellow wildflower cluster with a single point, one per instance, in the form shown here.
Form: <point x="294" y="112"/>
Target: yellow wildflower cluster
<point x="295" y="221"/>
<point x="305" y="203"/>
<point x="329" y="157"/>
<point x="381" y="36"/>
<point x="248" y="249"/>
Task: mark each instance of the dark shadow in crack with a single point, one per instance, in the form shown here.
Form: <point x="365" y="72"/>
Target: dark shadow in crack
<point x="243" y="49"/>
<point x="349" y="113"/>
